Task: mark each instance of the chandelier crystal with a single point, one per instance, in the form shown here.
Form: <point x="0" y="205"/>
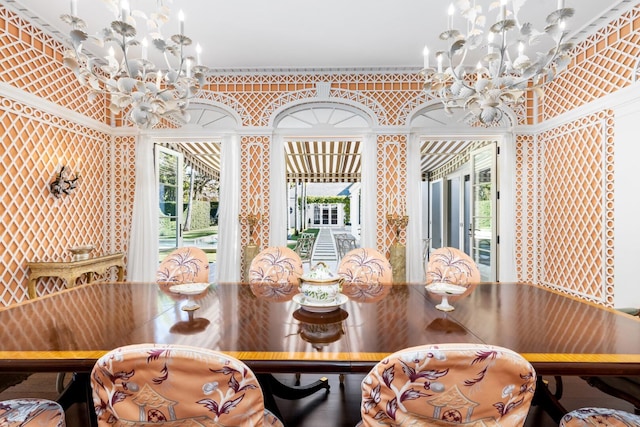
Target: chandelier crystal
<point x="138" y="88"/>
<point x="486" y="65"/>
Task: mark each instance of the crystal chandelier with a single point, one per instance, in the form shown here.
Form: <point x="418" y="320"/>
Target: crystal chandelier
<point x="136" y="87"/>
<point x="502" y="72"/>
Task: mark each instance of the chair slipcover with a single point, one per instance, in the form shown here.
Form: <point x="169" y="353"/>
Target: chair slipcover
<point x="175" y="385"/>
<point x="599" y="417"/>
<point x="449" y="384"/>
<point x="451" y="265"/>
<point x="365" y="265"/>
<point x="184" y="265"/>
<point x="277" y="264"/>
<point x="31" y="413"/>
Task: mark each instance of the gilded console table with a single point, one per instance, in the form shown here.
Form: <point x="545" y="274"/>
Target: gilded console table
<point x="69" y="271"/>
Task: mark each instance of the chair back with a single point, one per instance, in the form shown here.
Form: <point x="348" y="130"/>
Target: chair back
<point x="365" y="265"/>
<point x="31" y="413"/>
<point x="184" y="265"/>
<point x="277" y="264"/>
<point x="451" y="265"/>
<point x="449" y="384"/>
<point x="175" y="385"/>
<point x="597" y="417"/>
<point x="345" y="242"/>
<point x="304" y="246"/>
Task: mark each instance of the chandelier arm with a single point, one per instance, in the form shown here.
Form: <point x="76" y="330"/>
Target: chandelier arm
<point x="546" y="65"/>
<point x="123" y="47"/>
<point x="455" y="74"/>
<point x="503" y="52"/>
<point x="127" y="82"/>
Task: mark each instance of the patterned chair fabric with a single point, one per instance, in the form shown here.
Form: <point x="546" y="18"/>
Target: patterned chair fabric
<point x="447" y="385"/>
<point x="451" y="265"/>
<point x="599" y="417"/>
<point x="31" y="413"/>
<point x="365" y="265"/>
<point x="277" y="264"/>
<point x="184" y="265"/>
<point x="175" y="385"/>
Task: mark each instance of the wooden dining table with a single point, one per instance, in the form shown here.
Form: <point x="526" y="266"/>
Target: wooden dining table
<point x="267" y="328"/>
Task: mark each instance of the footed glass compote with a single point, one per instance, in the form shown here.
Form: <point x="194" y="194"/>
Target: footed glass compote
<point x="190" y="290"/>
<point x="445" y="290"/>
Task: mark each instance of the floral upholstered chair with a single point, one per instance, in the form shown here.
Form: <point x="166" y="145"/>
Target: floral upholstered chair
<point x="276" y="265"/>
<point x="184" y="265"/>
<point x="31" y="413"/>
<point x="175" y="385"/>
<point x="447" y="385"/>
<point x="451" y="265"/>
<point x="365" y="265"/>
<point x="598" y="417"/>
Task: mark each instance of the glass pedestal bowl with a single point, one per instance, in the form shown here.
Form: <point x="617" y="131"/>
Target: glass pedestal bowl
<point x="445" y="290"/>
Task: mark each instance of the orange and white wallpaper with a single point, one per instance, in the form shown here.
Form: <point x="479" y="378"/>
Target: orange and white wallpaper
<point x="36" y="142"/>
<point x="560" y="205"/>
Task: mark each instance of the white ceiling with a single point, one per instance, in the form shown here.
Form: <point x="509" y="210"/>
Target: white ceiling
<point x="240" y="35"/>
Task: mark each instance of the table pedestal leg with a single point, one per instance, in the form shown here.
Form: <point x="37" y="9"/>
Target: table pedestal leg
<point x="549" y="401"/>
<point x="272" y="387"/>
<point x="79" y="391"/>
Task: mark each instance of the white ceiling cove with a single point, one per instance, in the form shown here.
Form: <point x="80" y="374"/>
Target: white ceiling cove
<point x="246" y="35"/>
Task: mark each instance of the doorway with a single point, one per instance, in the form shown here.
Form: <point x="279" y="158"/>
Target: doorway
<point x="169" y="165"/>
<point x="462" y="199"/>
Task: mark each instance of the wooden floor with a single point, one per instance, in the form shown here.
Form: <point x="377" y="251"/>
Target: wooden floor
<point x="340" y="407"/>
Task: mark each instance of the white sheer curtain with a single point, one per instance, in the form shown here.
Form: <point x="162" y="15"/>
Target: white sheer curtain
<point x="142" y="260"/>
<point x="369" y="191"/>
<point x="415" y="269"/>
<point x="506" y="229"/>
<point x="228" y="256"/>
<point x="278" y="188"/>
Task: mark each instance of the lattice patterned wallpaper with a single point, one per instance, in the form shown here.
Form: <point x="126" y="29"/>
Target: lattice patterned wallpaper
<point x="32" y="61"/>
<point x="392" y="187"/>
<point x="121" y="178"/>
<point x="254" y="187"/>
<point x="525" y="181"/>
<point x="389" y="96"/>
<point x="565" y="208"/>
<point x="603" y="63"/>
<point x="35" y="225"/>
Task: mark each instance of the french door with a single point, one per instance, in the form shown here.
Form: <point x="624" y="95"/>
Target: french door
<point x="482" y="227"/>
<point x="169" y="173"/>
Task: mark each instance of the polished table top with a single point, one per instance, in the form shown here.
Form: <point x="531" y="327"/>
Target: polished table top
<point x="69" y="330"/>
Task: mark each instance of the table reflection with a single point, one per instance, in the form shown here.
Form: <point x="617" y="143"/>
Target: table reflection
<point x="365" y="292"/>
<point x="264" y="326"/>
<point x="190" y="326"/>
<point x="320" y="329"/>
<point x="277" y="292"/>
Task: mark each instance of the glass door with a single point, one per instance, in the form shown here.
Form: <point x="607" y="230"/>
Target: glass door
<point x="453" y="213"/>
<point x="169" y="173"/>
<point x="482" y="229"/>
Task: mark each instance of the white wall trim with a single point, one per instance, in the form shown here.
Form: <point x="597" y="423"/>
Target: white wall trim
<point x="615" y="100"/>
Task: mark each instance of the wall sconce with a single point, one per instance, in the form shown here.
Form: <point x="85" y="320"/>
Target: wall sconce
<point x="63" y="184"/>
<point x="397" y="222"/>
<point x="252" y="220"/>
